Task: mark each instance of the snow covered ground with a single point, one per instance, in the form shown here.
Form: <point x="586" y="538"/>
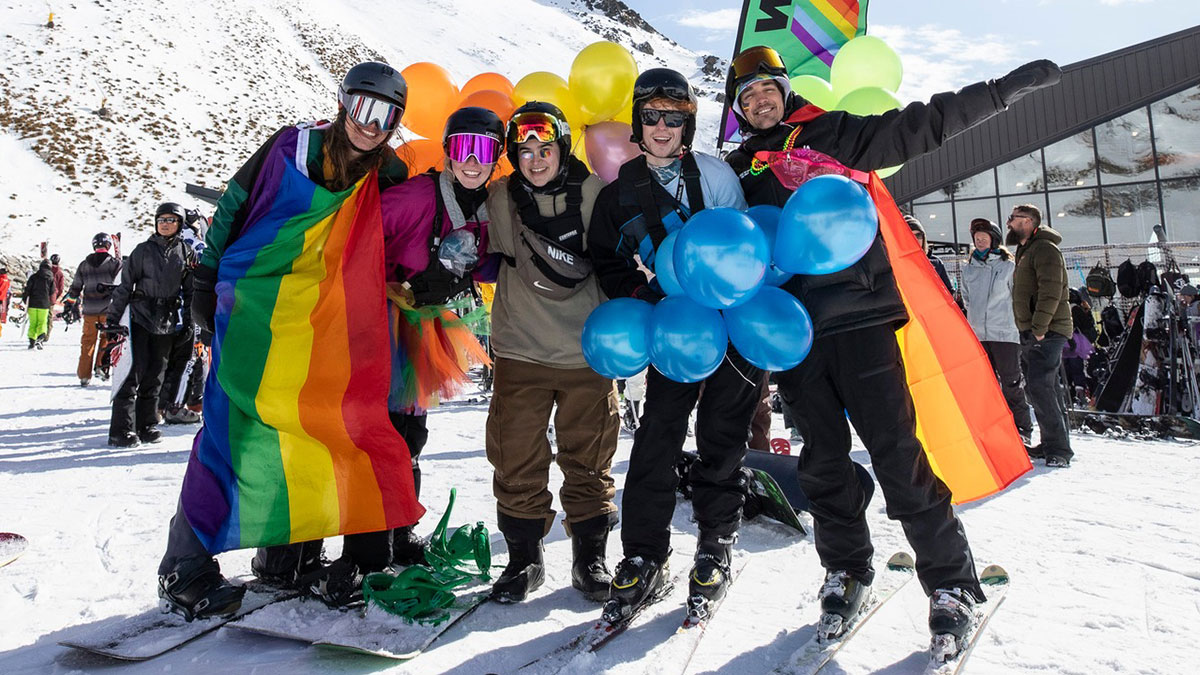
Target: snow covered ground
<point x="1104" y="557"/>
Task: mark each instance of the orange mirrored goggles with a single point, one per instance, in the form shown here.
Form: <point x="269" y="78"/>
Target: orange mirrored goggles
<point x="756" y="60"/>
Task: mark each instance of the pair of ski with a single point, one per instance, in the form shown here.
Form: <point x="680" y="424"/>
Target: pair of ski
<point x="275" y="612"/>
<point x="674" y="654"/>
<point x="817" y="653"/>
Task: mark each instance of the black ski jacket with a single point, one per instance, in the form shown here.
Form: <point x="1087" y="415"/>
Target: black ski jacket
<point x="864" y="294"/>
<point x="156" y="284"/>
<point x="93" y="282"/>
<point x="39" y="288"/>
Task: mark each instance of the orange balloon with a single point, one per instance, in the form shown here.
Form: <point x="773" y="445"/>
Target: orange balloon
<point x="431" y="96"/>
<point x="503" y="168"/>
<point x="421" y="155"/>
<point x="488" y="82"/>
<point x="498" y="102"/>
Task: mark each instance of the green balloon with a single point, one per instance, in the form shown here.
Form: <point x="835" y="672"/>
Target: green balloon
<point x="891" y="170"/>
<point x="868" y="101"/>
<point x="814" y="90"/>
<point x="865" y="61"/>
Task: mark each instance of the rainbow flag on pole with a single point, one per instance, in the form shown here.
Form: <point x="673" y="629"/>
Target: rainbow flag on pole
<point x="806" y="33"/>
<point x="296" y="443"/>
<point x="962" y="419"/>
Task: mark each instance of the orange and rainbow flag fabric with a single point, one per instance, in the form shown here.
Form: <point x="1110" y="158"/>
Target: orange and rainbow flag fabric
<point x="296" y="443"/>
<point x="962" y="419"/>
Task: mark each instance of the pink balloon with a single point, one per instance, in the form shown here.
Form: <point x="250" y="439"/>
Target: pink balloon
<point x="608" y="147"/>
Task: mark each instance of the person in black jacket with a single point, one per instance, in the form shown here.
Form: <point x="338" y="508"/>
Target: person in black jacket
<point x="156" y="287"/>
<point x="94" y="281"/>
<point x="855" y="365"/>
<point x="39" y="298"/>
<point x="918" y="231"/>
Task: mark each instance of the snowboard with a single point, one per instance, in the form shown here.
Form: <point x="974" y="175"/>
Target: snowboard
<point x="388" y="636"/>
<point x="816" y="653"/>
<point x="121" y="355"/>
<point x="772" y="502"/>
<point x="12" y="545"/>
<point x="995" y="580"/>
<point x="154" y="632"/>
<point x="784" y="469"/>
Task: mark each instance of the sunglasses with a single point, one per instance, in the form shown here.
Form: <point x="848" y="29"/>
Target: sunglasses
<point x="367" y="110"/>
<point x="1014" y="217"/>
<point x="167" y="220"/>
<point x="462" y="147"/>
<point x="673" y="118"/>
<point x="537" y="125"/>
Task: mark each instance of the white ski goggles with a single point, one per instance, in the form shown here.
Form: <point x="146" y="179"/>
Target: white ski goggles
<point x="367" y="110"/>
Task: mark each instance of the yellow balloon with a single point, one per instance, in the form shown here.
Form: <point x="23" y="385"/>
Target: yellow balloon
<point x="579" y="150"/>
<point x="626" y="115"/>
<point x="601" y="79"/>
<point x="550" y="88"/>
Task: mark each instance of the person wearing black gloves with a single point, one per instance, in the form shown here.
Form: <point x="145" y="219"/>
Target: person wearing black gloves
<point x="855" y="365"/>
<point x="94" y="281"/>
<point x="156" y="286"/>
<point x="653" y="195"/>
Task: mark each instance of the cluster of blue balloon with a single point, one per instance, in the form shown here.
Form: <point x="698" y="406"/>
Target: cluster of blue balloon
<point x="721" y="273"/>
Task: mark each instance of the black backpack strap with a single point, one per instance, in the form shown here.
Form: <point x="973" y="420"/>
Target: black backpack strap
<point x="435" y="232"/>
<point x="691" y="180"/>
<point x="637" y="174"/>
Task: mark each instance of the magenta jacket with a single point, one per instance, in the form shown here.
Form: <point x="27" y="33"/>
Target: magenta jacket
<point x="407" y="219"/>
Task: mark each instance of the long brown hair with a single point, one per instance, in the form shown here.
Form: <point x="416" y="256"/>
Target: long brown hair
<point x="342" y="168"/>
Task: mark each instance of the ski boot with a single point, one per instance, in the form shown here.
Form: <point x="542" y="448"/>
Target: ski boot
<point x="524" y="573"/>
<point x="842" y="598"/>
<point x="589" y="542"/>
<point x="709" y="581"/>
<point x="338" y="584"/>
<point x="181" y="415"/>
<point x="407" y="548"/>
<point x="289" y="565"/>
<point x="951" y="620"/>
<point x="1057" y="462"/>
<point x="195" y="589"/>
<point x="125" y="440"/>
<point x="149" y="435"/>
<point x="84" y="381"/>
<point x="637" y="581"/>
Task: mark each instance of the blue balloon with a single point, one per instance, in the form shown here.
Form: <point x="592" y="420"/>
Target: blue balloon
<point x="687" y="341"/>
<point x="772" y="330"/>
<point x="664" y="265"/>
<point x="766" y="216"/>
<point x="614" y="337"/>
<point x="827" y="225"/>
<point x="721" y="257"/>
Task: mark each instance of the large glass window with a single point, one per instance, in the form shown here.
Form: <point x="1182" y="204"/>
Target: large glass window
<point x="1124" y="147"/>
<point x="937" y="219"/>
<point x="1075" y="214"/>
<point x="1130" y="212"/>
<point x="1007" y="204"/>
<point x="1071" y="162"/>
<point x="980" y="185"/>
<point x="967" y="210"/>
<point x="1023" y="174"/>
<point x="1177" y="134"/>
<point x="1181" y="206"/>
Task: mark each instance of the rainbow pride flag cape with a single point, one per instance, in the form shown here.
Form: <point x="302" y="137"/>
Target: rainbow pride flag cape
<point x="296" y="443"/>
<point x="962" y="419"/>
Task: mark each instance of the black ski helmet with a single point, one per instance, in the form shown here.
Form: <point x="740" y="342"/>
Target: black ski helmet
<point x="101" y="241"/>
<point x="561" y="125"/>
<point x="171" y="209"/>
<point x="663" y="83"/>
<point x="54" y="258"/>
<point x="375" y="78"/>
<point x="474" y="120"/>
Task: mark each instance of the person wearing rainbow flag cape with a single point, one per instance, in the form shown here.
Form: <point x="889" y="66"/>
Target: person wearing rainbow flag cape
<point x="296" y="443"/>
<point x="855" y="367"/>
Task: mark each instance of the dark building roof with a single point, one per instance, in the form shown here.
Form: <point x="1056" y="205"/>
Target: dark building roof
<point x="1091" y="92"/>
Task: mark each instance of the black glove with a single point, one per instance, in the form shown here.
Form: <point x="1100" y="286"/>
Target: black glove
<point x="204" y="296"/>
<point x="647" y="294"/>
<point x="1027" y="79"/>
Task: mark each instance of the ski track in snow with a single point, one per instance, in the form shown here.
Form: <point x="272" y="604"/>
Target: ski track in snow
<point x="1106" y="577"/>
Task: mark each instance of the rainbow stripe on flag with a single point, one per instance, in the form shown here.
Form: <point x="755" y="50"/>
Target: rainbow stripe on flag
<point x="823" y="26"/>
<point x="962" y="419"/>
<point x="296" y="443"/>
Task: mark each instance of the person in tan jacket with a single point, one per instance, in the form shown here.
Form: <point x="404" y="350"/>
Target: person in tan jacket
<point x="544" y="293"/>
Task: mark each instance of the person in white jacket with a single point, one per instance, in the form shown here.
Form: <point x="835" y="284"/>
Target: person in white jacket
<point x="987" y="283"/>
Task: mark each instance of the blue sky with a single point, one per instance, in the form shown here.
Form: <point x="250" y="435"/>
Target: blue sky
<point x="946" y="44"/>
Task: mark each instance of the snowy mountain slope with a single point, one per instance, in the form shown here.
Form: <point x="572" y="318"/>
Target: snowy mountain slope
<point x="1103" y="557"/>
<point x="191" y="89"/>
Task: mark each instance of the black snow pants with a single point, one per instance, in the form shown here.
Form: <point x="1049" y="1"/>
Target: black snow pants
<point x="182" y="347"/>
<point x="135" y="407"/>
<point x="860" y="373"/>
<point x="727" y="404"/>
